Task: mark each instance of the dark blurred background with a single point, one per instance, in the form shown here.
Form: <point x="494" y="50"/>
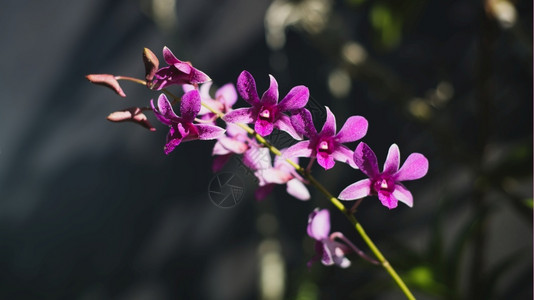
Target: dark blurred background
<point x="95" y="210"/>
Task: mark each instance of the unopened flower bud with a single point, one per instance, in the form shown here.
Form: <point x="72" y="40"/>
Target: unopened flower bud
<point x="151" y="64"/>
<point x="106" y="80"/>
<point x="132" y="114"/>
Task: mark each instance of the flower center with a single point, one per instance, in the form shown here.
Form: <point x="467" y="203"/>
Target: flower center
<point x="323" y="145"/>
<point x="384" y="185"/>
<point x="265" y="114"/>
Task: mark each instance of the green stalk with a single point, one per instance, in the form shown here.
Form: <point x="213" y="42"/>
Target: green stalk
<point x="383" y="261"/>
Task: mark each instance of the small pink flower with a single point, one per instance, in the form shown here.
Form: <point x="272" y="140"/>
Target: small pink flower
<point x="326" y="145"/>
<point x="177" y="73"/>
<point x="266" y="113"/>
<point x="182" y="129"/>
<point x="258" y="159"/>
<point x="387" y="185"/>
<point x="327" y="250"/>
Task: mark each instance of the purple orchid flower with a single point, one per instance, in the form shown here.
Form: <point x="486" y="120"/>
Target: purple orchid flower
<point x="234" y="141"/>
<point x="182" y="129"/>
<point x="386" y="184"/>
<point x="328" y="251"/>
<point x="266" y="113"/>
<point x="178" y="72"/>
<point x="326" y="145"/>
<point x="259" y="160"/>
<point x="225" y="98"/>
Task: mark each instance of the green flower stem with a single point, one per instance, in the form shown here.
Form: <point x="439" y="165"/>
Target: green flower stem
<point x="383" y="261"/>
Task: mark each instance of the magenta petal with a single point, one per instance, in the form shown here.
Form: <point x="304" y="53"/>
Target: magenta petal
<point x="415" y="167"/>
<point x="319" y="224"/>
<point x="227" y="95"/>
<point x="270" y="97"/>
<point x="391" y="166"/>
<point x="326" y="161"/>
<point x="387" y="199"/>
<point x="295" y="99"/>
<point x="208" y="132"/>
<point x="337" y="253"/>
<point x="329" y="127"/>
<point x="263" y="128"/>
<point x="185" y="68"/>
<point x="263" y="191"/>
<point x="300" y="149"/>
<point x="198" y="76"/>
<point x="158" y="115"/>
<point x="171" y="144"/>
<point x="284" y="123"/>
<point x="169" y="57"/>
<point x="272" y="175"/>
<point x="297" y="189"/>
<point x="246" y="86"/>
<point x="219" y="149"/>
<point x="240" y="115"/>
<point x="257" y="158"/>
<point x="402" y="194"/>
<point x="366" y="160"/>
<point x="219" y="161"/>
<point x="357" y="190"/>
<point x="354" y="129"/>
<point x="165" y="108"/>
<point x="232" y="145"/>
<point x="303" y="123"/>
<point x="190" y="105"/>
<point x="345" y="155"/>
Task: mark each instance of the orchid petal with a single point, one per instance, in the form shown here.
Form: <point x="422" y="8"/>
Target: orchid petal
<point x="387" y="199"/>
<point x="354" y="129"/>
<point x="171" y="144"/>
<point x="246" y="86"/>
<point x="232" y="145"/>
<point x="415" y="167"/>
<point x="345" y="155"/>
<point x="325" y="160"/>
<point x="204" y="90"/>
<point x="169" y="57"/>
<point x="227" y="95"/>
<point x="257" y="158"/>
<point x="240" y="115"/>
<point x="219" y="161"/>
<point x="319" y="224"/>
<point x="270" y="96"/>
<point x="263" y="191"/>
<point x="263" y="128"/>
<point x="391" y="166"/>
<point x="296" y="98"/>
<point x="284" y="123"/>
<point x="366" y="160"/>
<point x="190" y="105"/>
<point x="402" y="194"/>
<point x="357" y="190"/>
<point x="329" y="127"/>
<point x="208" y="132"/>
<point x="165" y="108"/>
<point x="219" y="149"/>
<point x="303" y="123"/>
<point x="300" y="149"/>
<point x="297" y="189"/>
<point x="272" y="175"/>
<point x="337" y="253"/>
